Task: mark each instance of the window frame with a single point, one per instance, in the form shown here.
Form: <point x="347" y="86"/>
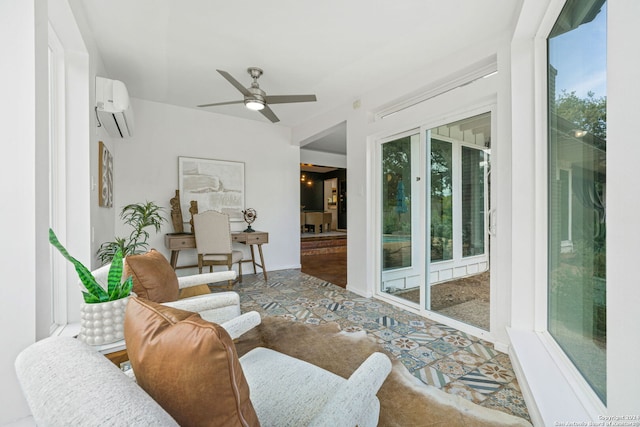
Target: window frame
<point x="588" y="398"/>
<point x="57" y="179"/>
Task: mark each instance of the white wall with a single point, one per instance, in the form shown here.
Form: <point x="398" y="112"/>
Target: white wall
<point x="102" y="219"/>
<point x="23" y="32"/>
<point x="623" y="206"/>
<point x="323" y="159"/>
<point x="146" y="169"/>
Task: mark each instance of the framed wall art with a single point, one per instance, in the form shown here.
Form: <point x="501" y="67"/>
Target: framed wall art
<point x="105" y="176"/>
<point x="215" y="184"/>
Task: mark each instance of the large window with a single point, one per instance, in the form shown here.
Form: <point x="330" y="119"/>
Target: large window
<point x="57" y="178"/>
<point x="577" y="187"/>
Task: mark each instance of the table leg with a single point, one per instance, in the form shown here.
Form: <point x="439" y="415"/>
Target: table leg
<point x="174" y="258"/>
<point x="253" y="259"/>
<point x="264" y="269"/>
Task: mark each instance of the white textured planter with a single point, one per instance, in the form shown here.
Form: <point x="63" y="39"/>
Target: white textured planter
<point x="102" y="323"/>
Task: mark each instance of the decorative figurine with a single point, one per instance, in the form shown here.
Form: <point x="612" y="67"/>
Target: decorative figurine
<point x="176" y="213"/>
<point x="250" y="215"/>
<point x="193" y="209"/>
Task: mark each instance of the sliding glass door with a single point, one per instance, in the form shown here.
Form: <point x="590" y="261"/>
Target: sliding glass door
<point x="435" y="241"/>
<point x="459" y="276"/>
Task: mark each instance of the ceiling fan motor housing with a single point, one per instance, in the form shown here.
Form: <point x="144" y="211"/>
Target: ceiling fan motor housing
<point x="254" y="72"/>
<point x="256" y="101"/>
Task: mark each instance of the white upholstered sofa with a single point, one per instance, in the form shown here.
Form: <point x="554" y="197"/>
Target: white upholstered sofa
<point x="67" y="382"/>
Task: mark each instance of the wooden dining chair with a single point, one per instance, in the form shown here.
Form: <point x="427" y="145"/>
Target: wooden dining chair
<point x="213" y="242"/>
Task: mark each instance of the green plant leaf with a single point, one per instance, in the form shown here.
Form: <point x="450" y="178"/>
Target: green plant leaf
<point x="138" y="216"/>
<point x="90" y="299"/>
<point x="107" y="250"/>
<point x="126" y="287"/>
<point x="86" y="278"/>
<point x="115" y="275"/>
<point x="84" y="274"/>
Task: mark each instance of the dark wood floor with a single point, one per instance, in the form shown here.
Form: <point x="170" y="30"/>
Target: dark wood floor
<point x="331" y="267"/>
<point x="325" y="257"/>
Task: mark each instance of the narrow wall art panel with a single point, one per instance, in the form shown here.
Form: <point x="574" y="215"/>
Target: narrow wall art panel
<point x="105" y="176"/>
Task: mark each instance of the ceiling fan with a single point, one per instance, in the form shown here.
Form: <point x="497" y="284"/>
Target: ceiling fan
<point x="256" y="99"/>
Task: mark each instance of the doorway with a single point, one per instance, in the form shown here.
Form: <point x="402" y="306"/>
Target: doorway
<point x="435" y="240"/>
<point x="323" y="232"/>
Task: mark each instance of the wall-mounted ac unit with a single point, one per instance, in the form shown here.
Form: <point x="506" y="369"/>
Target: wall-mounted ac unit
<point x="113" y="107"/>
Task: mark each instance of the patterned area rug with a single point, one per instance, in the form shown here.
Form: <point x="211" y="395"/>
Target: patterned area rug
<point x="404" y="400"/>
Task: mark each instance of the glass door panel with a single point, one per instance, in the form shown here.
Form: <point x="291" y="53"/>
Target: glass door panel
<point x="402" y="274"/>
<point x="473" y="197"/>
<point x="459" y="284"/>
<point x="441" y="201"/>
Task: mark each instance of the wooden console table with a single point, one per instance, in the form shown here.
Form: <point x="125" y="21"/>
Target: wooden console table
<point x="176" y="242"/>
<point x="116" y="352"/>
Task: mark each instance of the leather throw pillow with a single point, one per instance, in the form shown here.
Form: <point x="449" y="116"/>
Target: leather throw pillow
<point x="153" y="277"/>
<point x="188" y="365"/>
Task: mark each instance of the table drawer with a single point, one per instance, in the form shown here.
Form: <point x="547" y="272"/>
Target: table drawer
<point x="179" y="242"/>
<point x="252" y="238"/>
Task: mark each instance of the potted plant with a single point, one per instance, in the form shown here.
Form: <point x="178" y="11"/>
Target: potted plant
<point x="102" y="314"/>
<point x="139" y="216"/>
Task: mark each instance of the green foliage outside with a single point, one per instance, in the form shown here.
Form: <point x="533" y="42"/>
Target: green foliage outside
<point x="588" y="113"/>
<point x="441" y="201"/>
<point x="396" y="168"/>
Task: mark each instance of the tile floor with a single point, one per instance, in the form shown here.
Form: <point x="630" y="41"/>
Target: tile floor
<point x="436" y="354"/>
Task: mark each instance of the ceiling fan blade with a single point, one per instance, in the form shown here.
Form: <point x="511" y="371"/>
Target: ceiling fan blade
<point x="221" y="103"/>
<point x="285" y="99"/>
<point x="235" y="83"/>
<point x="269" y="114"/>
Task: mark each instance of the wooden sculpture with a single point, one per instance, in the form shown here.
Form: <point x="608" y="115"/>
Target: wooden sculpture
<point x="176" y="213"/>
<point x="193" y="210"/>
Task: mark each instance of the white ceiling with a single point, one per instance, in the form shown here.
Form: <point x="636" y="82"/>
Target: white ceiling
<point x="168" y="50"/>
<point x="332" y="140"/>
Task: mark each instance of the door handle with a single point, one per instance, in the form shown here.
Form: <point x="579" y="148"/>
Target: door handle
<point x="492" y="222"/>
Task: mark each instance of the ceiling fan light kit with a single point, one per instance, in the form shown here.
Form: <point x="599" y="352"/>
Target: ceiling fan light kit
<point x="256" y="99"/>
<point x="254" y="104"/>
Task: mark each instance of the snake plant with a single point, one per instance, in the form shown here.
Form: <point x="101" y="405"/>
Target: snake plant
<point x="95" y="293"/>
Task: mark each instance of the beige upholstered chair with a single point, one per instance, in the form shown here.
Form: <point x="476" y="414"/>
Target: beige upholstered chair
<point x="218" y="307"/>
<point x="213" y="242"/>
